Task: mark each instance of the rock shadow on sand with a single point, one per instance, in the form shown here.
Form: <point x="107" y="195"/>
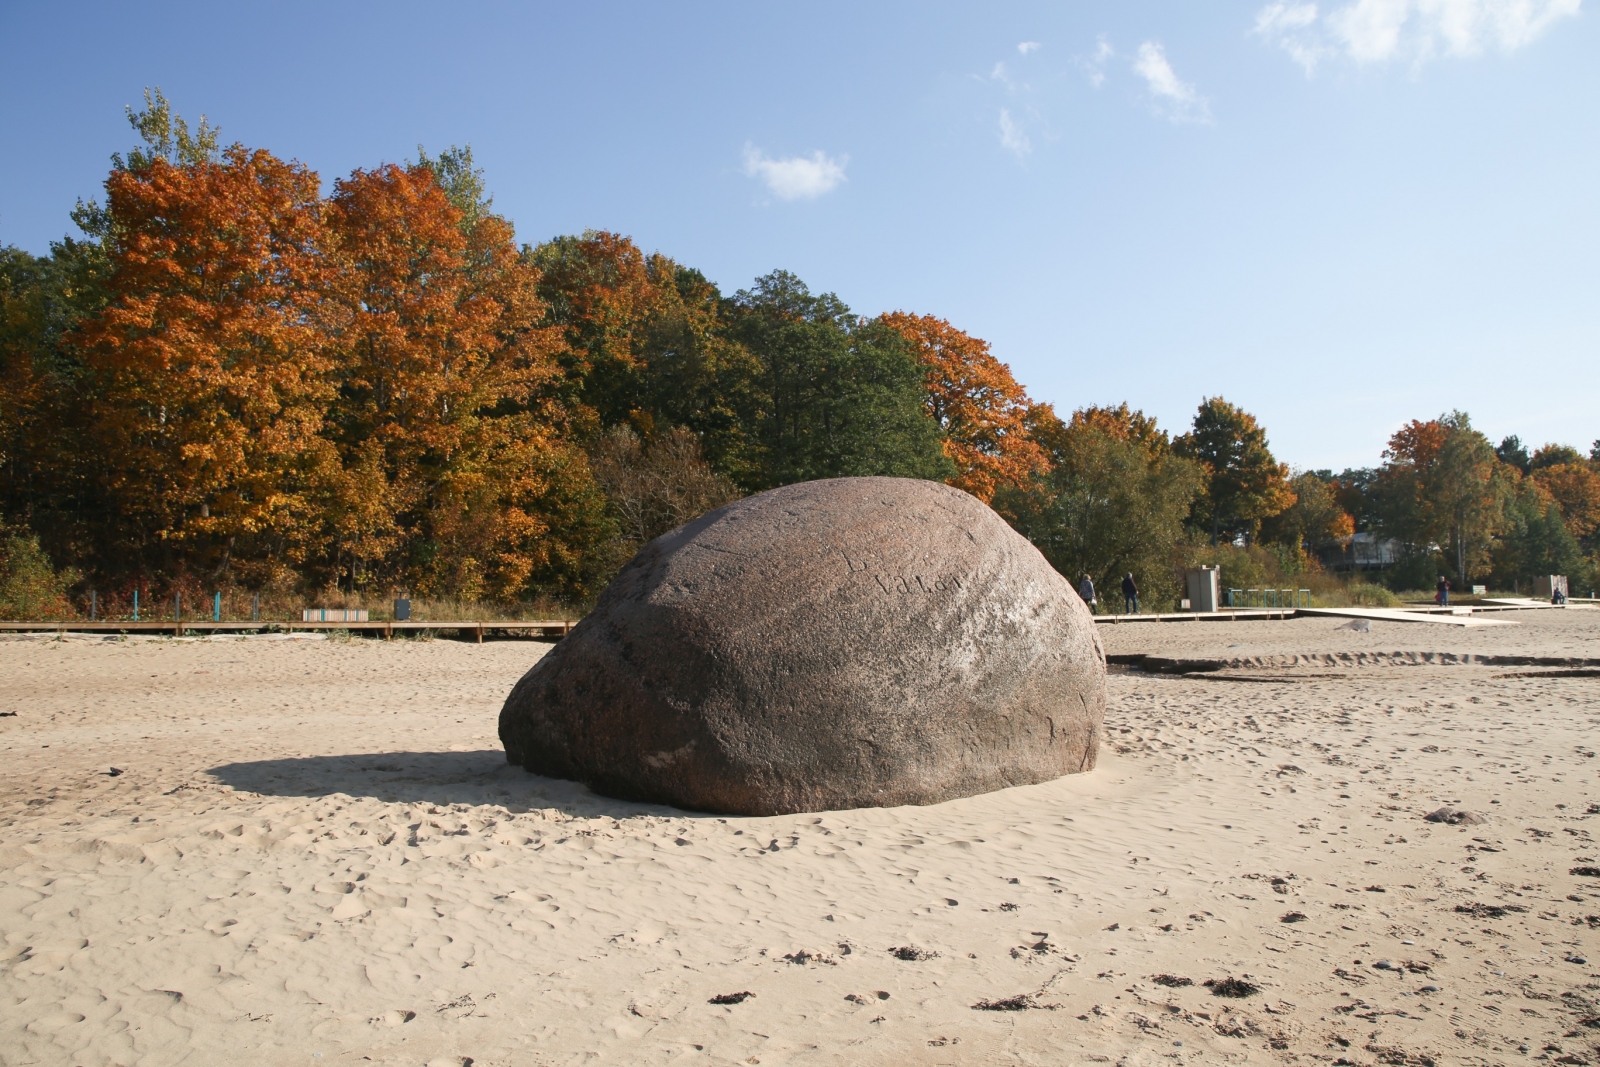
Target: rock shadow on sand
<point x="477" y="777"/>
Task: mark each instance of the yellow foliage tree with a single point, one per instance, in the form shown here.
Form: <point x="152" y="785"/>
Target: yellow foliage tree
<point x="980" y="407"/>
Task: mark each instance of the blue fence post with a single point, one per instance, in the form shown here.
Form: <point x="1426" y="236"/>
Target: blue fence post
<point x="136" y="605"/>
<point x="94" y="605"/>
<point x="216" y="607"/>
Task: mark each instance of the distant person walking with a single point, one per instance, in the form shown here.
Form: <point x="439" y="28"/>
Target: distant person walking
<point x="1130" y="595"/>
<point x="1086" y="591"/>
<point x="1442" y="597"/>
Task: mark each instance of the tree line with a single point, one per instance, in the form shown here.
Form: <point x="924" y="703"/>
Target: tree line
<point x="231" y="378"/>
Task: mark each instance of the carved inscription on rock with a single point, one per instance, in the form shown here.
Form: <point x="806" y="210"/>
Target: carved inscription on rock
<point x="916" y="583"/>
<point x="899" y="584"/>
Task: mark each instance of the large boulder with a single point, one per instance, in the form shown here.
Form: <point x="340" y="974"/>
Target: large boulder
<point x="835" y="644"/>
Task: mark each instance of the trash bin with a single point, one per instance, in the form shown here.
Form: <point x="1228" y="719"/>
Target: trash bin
<point x="1204" y="589"/>
<point x="402" y="609"/>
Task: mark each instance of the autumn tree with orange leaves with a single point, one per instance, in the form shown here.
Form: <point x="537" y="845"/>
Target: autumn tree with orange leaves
<point x="456" y="479"/>
<point x="209" y="370"/>
<point x="1442" y="485"/>
<point x="1315" y="519"/>
<point x="981" y="408"/>
<point x="647" y="347"/>
<point x="1575" y="487"/>
<point x="355" y="391"/>
<point x="1552" y="520"/>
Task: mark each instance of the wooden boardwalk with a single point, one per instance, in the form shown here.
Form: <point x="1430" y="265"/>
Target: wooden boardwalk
<point x="1459" y="614"/>
<point x="1234" y="615"/>
<point x="555" y="629"/>
<point x="544" y="628"/>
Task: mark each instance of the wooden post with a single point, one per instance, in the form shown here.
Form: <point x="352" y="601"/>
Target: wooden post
<point x="480" y="633"/>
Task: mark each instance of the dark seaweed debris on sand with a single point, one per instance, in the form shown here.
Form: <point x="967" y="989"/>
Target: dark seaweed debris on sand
<point x="911" y="953"/>
<point x="1232" y="987"/>
<point x="1586" y="872"/>
<point x="1454" y="817"/>
<point x="1488" y="911"/>
<point x="1172" y="981"/>
<point x="731" y="998"/>
<point x="1020" y="1002"/>
<point x="1294" y="917"/>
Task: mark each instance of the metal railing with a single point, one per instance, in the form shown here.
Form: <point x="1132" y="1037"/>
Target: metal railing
<point x="1269" y="598"/>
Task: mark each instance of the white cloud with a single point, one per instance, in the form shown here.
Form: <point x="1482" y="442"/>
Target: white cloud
<point x="1012" y="136"/>
<point x="1095" y="65"/>
<point x="1286" y="24"/>
<point x="1174" y="98"/>
<point x="1379" y="31"/>
<point x="1014" y="125"/>
<point x="798" y="177"/>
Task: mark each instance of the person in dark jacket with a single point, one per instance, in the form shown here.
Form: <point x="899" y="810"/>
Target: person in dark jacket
<point x="1130" y="595"/>
<point x="1442" y="597"/>
<point x="1086" y="591"/>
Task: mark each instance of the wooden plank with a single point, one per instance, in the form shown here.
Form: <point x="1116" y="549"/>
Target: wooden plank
<point x="1232" y="614"/>
<point x="558" y="627"/>
<point x="1398" y="615"/>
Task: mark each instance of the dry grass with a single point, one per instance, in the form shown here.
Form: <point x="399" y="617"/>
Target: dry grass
<point x="1355" y="594"/>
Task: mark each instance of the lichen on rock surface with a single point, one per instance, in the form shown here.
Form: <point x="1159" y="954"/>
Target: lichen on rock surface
<point x="843" y="643"/>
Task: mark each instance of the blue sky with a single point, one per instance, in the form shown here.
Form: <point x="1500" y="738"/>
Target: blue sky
<point x="1340" y="215"/>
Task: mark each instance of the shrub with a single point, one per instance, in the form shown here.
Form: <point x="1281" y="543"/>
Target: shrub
<point x="1360" y="594"/>
<point x="1257" y="566"/>
<point x="30" y="586"/>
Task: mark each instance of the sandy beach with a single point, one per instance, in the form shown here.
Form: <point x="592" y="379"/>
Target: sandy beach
<point x="312" y="852"/>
